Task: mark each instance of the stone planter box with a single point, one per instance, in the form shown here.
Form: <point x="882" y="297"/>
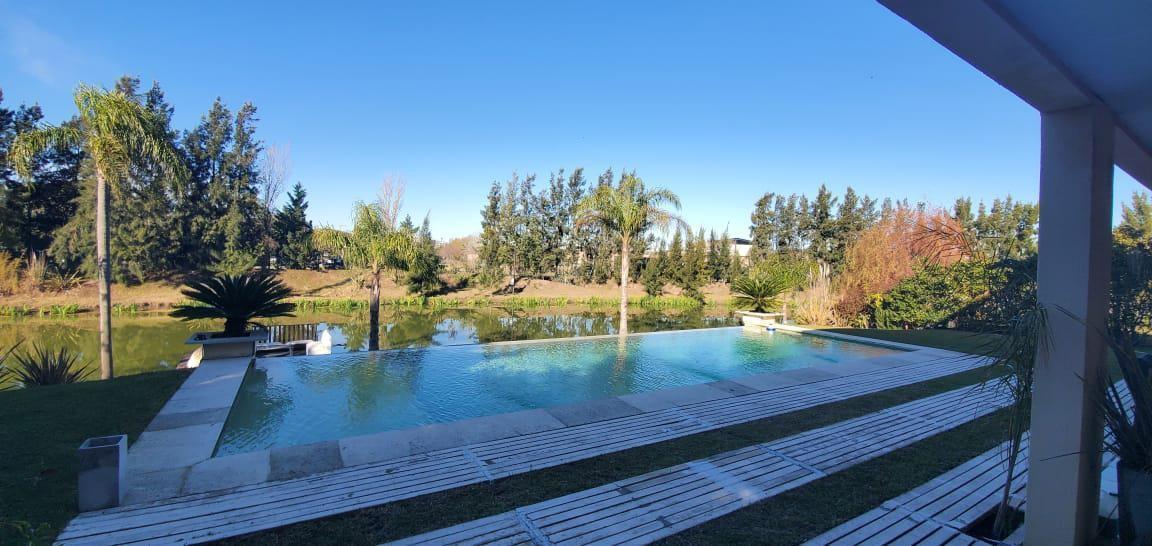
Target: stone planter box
<point x="213" y="347"/>
<point x="101" y="477"/>
<point x="760" y="321"/>
<point x="1135" y="500"/>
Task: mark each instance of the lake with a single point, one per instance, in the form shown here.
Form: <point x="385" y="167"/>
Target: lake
<point x="145" y="343"/>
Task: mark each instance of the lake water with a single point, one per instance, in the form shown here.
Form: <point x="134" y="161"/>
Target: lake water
<point x="146" y="343"/>
<point x="298" y="400"/>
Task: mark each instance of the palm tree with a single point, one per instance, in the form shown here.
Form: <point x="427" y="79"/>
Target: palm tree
<point x="115" y="132"/>
<point x="374" y="244"/>
<point x="627" y="211"/>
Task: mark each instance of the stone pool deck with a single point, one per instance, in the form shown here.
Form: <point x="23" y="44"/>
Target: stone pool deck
<point x="186" y="496"/>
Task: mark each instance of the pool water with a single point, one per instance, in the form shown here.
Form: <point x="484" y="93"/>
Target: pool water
<point x="291" y="401"/>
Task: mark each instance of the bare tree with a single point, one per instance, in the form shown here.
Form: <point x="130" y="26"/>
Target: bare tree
<point x="275" y="168"/>
<point x="391" y="199"/>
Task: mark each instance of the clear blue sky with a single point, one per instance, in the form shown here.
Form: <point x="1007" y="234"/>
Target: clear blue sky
<point x="718" y="101"/>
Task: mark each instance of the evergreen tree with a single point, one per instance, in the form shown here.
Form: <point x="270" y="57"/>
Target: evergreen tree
<point x="293" y="231"/>
<point x="35" y="208"/>
<point x="653" y="278"/>
<point x="1135" y="228"/>
<point x="820" y="226"/>
<point x="766" y="224"/>
<point x="425" y="265"/>
<point x="962" y="211"/>
<point x="735" y="267"/>
<point x="717" y="257"/>
<point x="675" y="268"/>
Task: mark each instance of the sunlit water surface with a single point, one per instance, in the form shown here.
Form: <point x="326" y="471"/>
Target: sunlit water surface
<point x="298" y="400"/>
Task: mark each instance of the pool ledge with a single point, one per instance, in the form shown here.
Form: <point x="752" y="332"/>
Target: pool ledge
<point x="173" y="457"/>
<point x="185" y="430"/>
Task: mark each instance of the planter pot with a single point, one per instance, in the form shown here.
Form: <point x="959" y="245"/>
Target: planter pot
<point x="213" y="346"/>
<point x="100" y="472"/>
<point x="1135" y="499"/>
<point x="760" y="321"/>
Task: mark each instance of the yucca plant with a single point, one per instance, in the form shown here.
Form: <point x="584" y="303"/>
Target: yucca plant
<point x="41" y="367"/>
<point x="237" y="299"/>
<point x="760" y="291"/>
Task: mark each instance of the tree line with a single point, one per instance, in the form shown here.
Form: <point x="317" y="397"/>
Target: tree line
<point x="530" y="232"/>
<point x="223" y="216"/>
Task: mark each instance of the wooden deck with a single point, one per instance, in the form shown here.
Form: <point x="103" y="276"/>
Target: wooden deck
<point x="656" y="505"/>
<point x="220" y="514"/>
<point x="939" y="511"/>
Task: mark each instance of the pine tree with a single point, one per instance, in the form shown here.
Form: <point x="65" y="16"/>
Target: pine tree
<point x="821" y="226"/>
<point x="765" y="228"/>
<point x="675" y="269"/>
<point x="34" y="211"/>
<point x="292" y="230"/>
<point x="653" y="277"/>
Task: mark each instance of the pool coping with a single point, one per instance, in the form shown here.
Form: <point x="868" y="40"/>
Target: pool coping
<point x="173" y="456"/>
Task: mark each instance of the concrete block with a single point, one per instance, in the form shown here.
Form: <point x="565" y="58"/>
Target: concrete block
<point x="592" y="411"/>
<point x="102" y="468"/>
<point x="374" y="448"/>
<point x="679" y="396"/>
<point x="304" y="460"/>
<point x="228" y="472"/>
<point x="482" y="429"/>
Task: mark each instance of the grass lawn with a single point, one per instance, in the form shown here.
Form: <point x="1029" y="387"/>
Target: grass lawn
<point x="953" y="340"/>
<point x="43" y="426"/>
<point x="434" y="511"/>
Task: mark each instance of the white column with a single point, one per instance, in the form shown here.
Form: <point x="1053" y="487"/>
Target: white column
<point x="1074" y="269"/>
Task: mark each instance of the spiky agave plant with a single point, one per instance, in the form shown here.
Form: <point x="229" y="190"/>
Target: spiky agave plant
<point x="237" y="299"/>
<point x="41" y="367"/>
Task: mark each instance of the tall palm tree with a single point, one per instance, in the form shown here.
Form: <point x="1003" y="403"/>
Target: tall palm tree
<point x="374" y="244"/>
<point x="627" y="211"/>
<point x="115" y="132"/>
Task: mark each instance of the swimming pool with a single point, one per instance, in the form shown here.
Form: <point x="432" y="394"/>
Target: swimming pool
<point x="291" y="401"/>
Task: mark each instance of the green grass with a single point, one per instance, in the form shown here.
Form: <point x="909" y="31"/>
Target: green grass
<point x="429" y="512"/>
<point x="953" y="340"/>
<point x="43" y="426"/>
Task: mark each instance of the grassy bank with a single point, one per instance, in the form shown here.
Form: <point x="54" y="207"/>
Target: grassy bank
<point x="344" y="291"/>
<point x="43" y="426"/>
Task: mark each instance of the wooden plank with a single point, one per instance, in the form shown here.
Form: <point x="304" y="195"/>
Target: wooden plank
<point x="664" y="502"/>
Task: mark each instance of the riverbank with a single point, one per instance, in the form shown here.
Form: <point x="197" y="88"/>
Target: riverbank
<point x="338" y="286"/>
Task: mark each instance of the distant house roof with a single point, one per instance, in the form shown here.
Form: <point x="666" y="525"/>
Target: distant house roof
<point x="740" y="241"/>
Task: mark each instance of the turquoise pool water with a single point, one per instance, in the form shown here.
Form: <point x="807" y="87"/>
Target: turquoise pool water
<point x="290" y="401"/>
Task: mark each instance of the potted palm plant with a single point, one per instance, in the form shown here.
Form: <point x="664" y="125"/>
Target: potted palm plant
<point x="237" y="300"/>
<point x="758" y="293"/>
<point x="1127" y="410"/>
<point x="1128" y="419"/>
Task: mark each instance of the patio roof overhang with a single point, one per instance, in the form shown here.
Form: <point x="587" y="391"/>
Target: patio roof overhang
<point x="1057" y="55"/>
<point x="1087" y="68"/>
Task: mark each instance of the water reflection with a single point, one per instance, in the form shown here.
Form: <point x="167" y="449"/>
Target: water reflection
<point x="155" y="342"/>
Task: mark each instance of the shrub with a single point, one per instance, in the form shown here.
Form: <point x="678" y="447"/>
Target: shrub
<point x="42" y="367"/>
<point x="931" y="297"/>
<point x="889" y="252"/>
<point x="237" y="299"/>
<point x="9" y="274"/>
